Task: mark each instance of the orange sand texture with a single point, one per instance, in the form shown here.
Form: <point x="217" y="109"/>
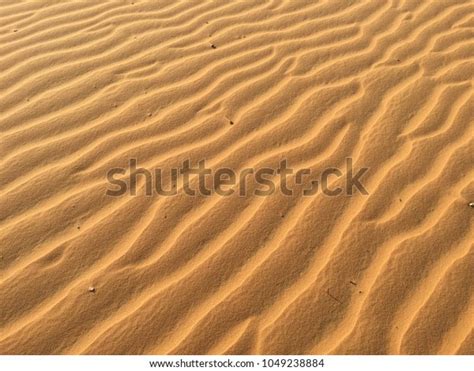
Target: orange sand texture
<point x="87" y="85"/>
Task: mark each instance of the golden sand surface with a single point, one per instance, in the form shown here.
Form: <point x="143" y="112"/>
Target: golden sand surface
<point x="87" y="85"/>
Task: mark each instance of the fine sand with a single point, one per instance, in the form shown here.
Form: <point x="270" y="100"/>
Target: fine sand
<point x="87" y="85"/>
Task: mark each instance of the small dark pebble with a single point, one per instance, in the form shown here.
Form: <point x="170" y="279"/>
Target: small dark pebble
<point x="213" y="46"/>
<point x="471" y="204"/>
<point x="352" y="282"/>
<point x="231" y="122"/>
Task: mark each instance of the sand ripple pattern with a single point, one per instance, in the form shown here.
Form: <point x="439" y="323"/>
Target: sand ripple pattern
<point x="86" y="85"/>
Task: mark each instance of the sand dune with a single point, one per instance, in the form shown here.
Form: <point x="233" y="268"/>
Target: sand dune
<point x="85" y="86"/>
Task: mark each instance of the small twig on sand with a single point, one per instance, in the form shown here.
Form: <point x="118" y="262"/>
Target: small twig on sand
<point x="327" y="291"/>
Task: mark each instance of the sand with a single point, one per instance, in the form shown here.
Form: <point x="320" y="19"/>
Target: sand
<point x="85" y="86"/>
